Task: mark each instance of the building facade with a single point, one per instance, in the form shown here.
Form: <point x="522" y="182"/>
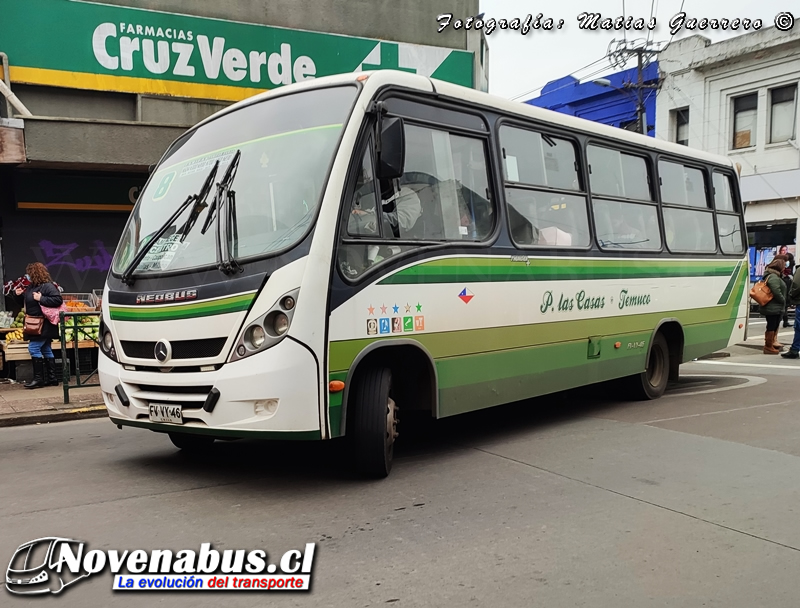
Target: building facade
<point x="103" y="89"/>
<point x="739" y="98"/>
<point x="613" y="104"/>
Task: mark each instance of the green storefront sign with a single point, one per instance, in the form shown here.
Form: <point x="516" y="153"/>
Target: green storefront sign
<point x="101" y="47"/>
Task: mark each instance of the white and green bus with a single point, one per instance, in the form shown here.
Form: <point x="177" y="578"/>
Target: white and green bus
<point x="313" y="260"/>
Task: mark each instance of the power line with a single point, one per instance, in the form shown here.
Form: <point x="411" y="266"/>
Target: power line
<point x="680" y="10"/>
<point x="566" y="85"/>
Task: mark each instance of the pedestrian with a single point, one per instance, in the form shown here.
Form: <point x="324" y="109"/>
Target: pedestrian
<point x="773" y="310"/>
<point x="40" y="292"/>
<point x="787" y="278"/>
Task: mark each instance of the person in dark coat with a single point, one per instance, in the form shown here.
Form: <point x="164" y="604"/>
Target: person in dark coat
<point x="787" y="278"/>
<point x="773" y="310"/>
<point x="41" y="292"/>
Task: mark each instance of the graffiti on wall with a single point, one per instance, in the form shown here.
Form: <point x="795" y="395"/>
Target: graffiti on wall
<point x="61" y="255"/>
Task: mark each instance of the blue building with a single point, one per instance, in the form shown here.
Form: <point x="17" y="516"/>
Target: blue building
<point x="612" y="105"/>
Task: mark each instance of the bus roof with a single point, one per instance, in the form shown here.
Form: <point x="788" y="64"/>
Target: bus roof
<point x="373" y="81"/>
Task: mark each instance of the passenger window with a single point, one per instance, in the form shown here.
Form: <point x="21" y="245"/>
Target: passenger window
<point x="688" y="230"/>
<point x="614" y="173"/>
<point x="626" y="225"/>
<point x="538" y="159"/>
<point x="730" y="234"/>
<point x="681" y="185"/>
<point x="547" y="219"/>
<point x="723" y="195"/>
<point x="444" y="193"/>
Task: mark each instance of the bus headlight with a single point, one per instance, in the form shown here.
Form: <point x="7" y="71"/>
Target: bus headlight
<point x="256" y="336"/>
<point x="107" y="342"/>
<point x="280" y="323"/>
<point x="268" y="329"/>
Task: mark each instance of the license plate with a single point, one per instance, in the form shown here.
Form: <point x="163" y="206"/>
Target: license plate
<point x="164" y="412"/>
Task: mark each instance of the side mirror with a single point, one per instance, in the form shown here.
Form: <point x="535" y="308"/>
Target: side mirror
<point x="151" y="168"/>
<point x="392" y="154"/>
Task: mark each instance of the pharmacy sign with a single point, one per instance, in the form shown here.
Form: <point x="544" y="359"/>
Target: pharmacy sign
<point x="84" y="45"/>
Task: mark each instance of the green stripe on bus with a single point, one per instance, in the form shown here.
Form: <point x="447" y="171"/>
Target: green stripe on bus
<point x="182" y="311"/>
<point x="493" y="339"/>
<point x="723" y="299"/>
<point x="482" y="270"/>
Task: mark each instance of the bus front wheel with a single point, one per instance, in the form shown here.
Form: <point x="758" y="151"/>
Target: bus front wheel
<point x="652" y="382"/>
<point x="374" y="423"/>
<point x="189" y="442"/>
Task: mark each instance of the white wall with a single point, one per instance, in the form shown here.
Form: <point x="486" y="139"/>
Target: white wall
<point x="706" y="78"/>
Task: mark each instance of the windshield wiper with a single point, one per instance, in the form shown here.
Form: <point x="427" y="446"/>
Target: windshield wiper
<point x="226" y="260"/>
<point x="198" y="199"/>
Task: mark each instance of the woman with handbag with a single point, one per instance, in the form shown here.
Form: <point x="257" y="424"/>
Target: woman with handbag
<point x="37" y="329"/>
<point x="773" y="310"/>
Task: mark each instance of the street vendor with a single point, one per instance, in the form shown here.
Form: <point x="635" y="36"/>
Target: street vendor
<point x="10" y="288"/>
<point x="40" y="292"/>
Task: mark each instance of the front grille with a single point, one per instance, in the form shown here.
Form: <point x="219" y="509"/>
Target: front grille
<point x="175" y="390"/>
<point x="181" y="349"/>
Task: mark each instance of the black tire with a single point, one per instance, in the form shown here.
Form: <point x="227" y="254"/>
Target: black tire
<point x="374" y="423"/>
<point x="190" y="442"/>
<point x="652" y="382"/>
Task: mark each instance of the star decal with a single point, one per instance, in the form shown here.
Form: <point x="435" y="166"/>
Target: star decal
<point x="383" y="310"/>
<point x="419" y="307"/>
<point x="371" y="310"/>
<point x="408" y="308"/>
<point x="396" y="309"/>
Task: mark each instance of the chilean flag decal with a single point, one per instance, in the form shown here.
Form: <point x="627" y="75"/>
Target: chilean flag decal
<point x="466" y="295"/>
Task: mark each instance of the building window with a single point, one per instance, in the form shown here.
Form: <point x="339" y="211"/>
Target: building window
<point x="782" y="114"/>
<point x="744" y="121"/>
<point x="682" y="126"/>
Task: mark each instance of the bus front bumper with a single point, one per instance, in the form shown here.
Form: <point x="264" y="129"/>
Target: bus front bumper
<point x="274" y="392"/>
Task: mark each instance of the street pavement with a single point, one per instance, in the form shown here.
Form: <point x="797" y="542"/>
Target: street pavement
<point x="578" y="499"/>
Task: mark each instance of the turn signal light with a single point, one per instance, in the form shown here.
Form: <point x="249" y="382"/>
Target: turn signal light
<point x="741" y="325"/>
<point x="617" y="344"/>
<point x="336" y="386"/>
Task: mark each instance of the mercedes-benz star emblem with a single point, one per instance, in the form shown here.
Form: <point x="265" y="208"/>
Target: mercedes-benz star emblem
<point x="162" y="351"/>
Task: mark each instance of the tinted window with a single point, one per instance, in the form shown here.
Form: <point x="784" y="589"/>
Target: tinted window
<point x="445" y="184"/>
<point x="688" y="230"/>
<point x="616" y="174"/>
<point x="626" y="225"/>
<point x="723" y="194"/>
<point x="547" y="219"/>
<point x="538" y="160"/>
<point x="681" y="185"/>
<point x="730" y="234"/>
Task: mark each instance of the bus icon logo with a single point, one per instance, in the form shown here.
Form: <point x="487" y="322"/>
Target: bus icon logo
<point x="408" y="323"/>
<point x="385" y="327"/>
<point x="37" y="567"/>
<point x="372" y="327"/>
<point x="397" y="325"/>
<point x="419" y="323"/>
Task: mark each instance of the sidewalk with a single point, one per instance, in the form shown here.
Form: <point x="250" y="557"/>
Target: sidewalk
<point x="19" y="405"/>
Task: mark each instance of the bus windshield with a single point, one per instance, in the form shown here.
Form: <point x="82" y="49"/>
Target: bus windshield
<point x="286" y="145"/>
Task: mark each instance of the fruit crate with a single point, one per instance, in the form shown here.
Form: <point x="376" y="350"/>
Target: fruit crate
<point x="98" y="295"/>
<point x="89" y="300"/>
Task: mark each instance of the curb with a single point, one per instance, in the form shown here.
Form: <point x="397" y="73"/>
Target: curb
<point x="43" y="417"/>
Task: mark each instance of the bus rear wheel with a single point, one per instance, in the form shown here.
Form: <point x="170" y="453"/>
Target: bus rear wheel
<point x="374" y="423"/>
<point x="652" y="382"/>
<point x="189" y="442"/>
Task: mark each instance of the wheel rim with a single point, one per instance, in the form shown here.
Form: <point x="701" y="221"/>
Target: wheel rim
<point x="656" y="367"/>
<point x="391" y="423"/>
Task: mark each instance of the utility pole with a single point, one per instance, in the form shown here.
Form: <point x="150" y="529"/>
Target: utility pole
<point x="619" y="56"/>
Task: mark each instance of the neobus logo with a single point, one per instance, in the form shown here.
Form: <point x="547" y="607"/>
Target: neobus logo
<point x="167" y="296"/>
<point x="48" y="565"/>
